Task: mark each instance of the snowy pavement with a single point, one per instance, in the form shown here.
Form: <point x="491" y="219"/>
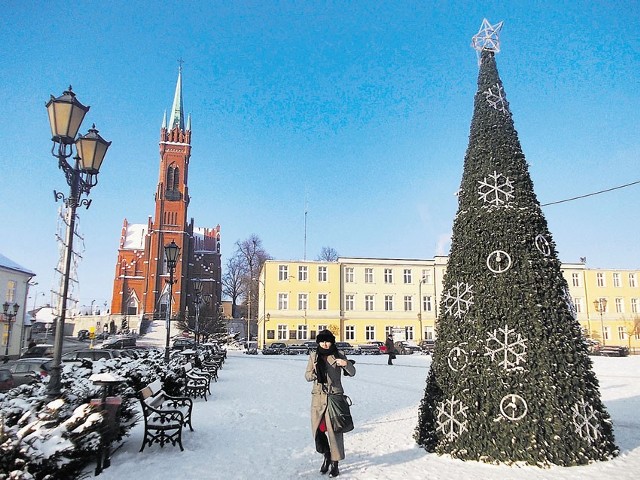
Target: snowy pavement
<point x="256" y="425"/>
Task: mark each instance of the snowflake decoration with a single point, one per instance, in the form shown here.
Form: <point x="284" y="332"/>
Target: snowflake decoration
<point x="513" y="407"/>
<point x="572" y="307"/>
<point x="459" y="299"/>
<point x="495" y="189"/>
<point x="499" y="261"/>
<point x="452" y="418"/>
<point x="585" y="421"/>
<point x="458" y="358"/>
<point x="543" y="245"/>
<point x="508" y="347"/>
<point x="487" y="37"/>
<point x="496" y="99"/>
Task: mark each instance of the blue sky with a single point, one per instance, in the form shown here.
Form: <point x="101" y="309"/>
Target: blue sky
<point x="359" y="110"/>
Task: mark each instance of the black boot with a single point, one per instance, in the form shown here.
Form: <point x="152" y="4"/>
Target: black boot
<point x="334" y="470"/>
<point x="325" y="464"/>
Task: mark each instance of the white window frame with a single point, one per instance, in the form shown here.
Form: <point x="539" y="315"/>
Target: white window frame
<point x="600" y="279"/>
<point x="617" y="281"/>
<point x="283" y="332"/>
<point x="575" y="279"/>
<point x="370" y="332"/>
<point x="368" y="275"/>
<point x="427" y="304"/>
<point x="621" y="333"/>
<point x="388" y="275"/>
<point x="283" y="272"/>
<point x="369" y="303"/>
<point x="302" y="332"/>
<point x="619" y="305"/>
<point x="303" y="301"/>
<point x="322" y="274"/>
<point x="349" y="301"/>
<point x="408" y="276"/>
<point x="634" y="305"/>
<point x="303" y="273"/>
<point x="408" y="303"/>
<point x="350" y="332"/>
<point x="408" y="332"/>
<point x="426" y="277"/>
<point x="323" y="301"/>
<point x="388" y="303"/>
<point x="283" y="301"/>
<point x="633" y="280"/>
<point x="348" y="275"/>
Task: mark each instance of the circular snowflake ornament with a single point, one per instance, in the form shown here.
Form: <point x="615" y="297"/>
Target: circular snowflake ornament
<point x="458" y="358"/>
<point x="513" y="407"/>
<point x="543" y="245"/>
<point x="499" y="261"/>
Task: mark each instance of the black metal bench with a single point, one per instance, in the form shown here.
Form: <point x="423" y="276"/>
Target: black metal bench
<point x="164" y="416"/>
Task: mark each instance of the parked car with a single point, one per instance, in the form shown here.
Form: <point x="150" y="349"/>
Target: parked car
<point x="347" y="348"/>
<point x="42" y="350"/>
<point x="428" y="346"/>
<point x="613" y="351"/>
<point x="405" y="348"/>
<point x="297" y="349"/>
<point x="6" y="380"/>
<point x="124" y="342"/>
<point x="183" y="344"/>
<point x="28" y="370"/>
<point x="311" y="346"/>
<point x="277" y="348"/>
<point x="102" y="335"/>
<point x="370" y="348"/>
<point x="83" y="334"/>
<point x="91" y="354"/>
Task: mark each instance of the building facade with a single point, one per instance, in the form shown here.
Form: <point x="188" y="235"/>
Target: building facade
<point x="141" y="285"/>
<point x="14" y="288"/>
<point x="364" y="299"/>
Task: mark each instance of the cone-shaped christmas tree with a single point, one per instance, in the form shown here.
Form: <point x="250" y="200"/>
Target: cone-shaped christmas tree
<point x="511" y="379"/>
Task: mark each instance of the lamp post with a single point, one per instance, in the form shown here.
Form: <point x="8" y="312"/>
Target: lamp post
<point x="601" y="306"/>
<point x="265" y="318"/>
<point x="422" y="280"/>
<point x="65" y="117"/>
<point x="171" y="253"/>
<point x="197" y="287"/>
<point x="10" y="316"/>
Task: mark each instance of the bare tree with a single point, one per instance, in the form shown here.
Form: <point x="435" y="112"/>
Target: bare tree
<point x="232" y="281"/>
<point x="328" y="254"/>
<point x="252" y="255"/>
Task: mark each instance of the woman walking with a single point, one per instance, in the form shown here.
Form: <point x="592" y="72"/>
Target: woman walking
<point x="325" y="369"/>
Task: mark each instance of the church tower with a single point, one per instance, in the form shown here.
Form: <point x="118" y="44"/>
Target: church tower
<point x="171" y="204"/>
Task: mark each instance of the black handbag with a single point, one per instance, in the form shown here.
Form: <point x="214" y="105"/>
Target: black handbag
<point x="339" y="412"/>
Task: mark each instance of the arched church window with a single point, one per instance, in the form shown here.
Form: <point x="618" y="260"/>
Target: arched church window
<point x="170" y="172"/>
<point x="176" y="179"/>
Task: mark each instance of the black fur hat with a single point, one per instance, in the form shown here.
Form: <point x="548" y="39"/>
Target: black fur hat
<point x="325" y="336"/>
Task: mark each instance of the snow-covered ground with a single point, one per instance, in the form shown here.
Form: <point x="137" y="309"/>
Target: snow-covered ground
<point x="256" y="425"/>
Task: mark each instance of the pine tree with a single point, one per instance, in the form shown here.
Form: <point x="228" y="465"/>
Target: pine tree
<point x="511" y="380"/>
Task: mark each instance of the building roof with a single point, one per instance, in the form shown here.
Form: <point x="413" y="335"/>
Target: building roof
<point x="9" y="264"/>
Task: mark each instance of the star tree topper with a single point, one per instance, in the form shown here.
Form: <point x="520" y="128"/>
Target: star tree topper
<point x="487" y="38"/>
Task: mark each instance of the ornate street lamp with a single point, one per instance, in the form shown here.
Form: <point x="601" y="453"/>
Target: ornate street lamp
<point x="10" y="316"/>
<point x="65" y="117"/>
<point x="197" y="287"/>
<point x="171" y="254"/>
<point x="601" y="307"/>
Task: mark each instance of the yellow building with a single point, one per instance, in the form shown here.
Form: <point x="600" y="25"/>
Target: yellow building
<point x="363" y="299"/>
<point x="607" y="303"/>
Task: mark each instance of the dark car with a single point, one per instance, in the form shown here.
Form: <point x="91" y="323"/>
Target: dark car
<point x="613" y="351"/>
<point x="370" y="348"/>
<point x="405" y="348"/>
<point x="311" y="346"/>
<point x="277" y="348"/>
<point x="42" y="350"/>
<point x="102" y="336"/>
<point x="91" y="354"/>
<point x="297" y="349"/>
<point x="29" y="370"/>
<point x="123" y="342"/>
<point x="83" y="335"/>
<point x="347" y="348"/>
<point x="428" y="346"/>
<point x="6" y="380"/>
<point x="183" y="344"/>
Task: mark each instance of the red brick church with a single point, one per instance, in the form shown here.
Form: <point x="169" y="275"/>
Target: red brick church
<point x="140" y="287"/>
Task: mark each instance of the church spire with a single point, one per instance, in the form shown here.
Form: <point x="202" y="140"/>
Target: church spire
<point x="177" y="116"/>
